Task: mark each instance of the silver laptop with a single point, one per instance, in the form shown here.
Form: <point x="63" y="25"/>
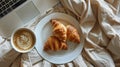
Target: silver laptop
<point x="16" y="13"/>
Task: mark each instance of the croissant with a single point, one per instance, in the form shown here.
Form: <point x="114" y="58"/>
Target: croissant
<point x="59" y="30"/>
<point x="54" y="44"/>
<point x="72" y="34"/>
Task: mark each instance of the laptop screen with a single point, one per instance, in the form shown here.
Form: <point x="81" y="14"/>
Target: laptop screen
<point x="7" y="6"/>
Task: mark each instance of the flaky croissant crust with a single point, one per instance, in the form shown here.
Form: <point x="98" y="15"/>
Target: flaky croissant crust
<point x="54" y="44"/>
<point x="61" y="33"/>
<point x="59" y="30"/>
<point x="72" y="34"/>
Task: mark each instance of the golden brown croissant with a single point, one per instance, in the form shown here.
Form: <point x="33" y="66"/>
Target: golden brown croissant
<point x="54" y="44"/>
<point x="59" y="30"/>
<point x="72" y="34"/>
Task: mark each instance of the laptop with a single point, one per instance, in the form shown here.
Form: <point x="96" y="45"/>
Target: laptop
<point x="16" y="13"/>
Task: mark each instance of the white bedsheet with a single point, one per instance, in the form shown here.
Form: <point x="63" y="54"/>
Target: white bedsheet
<point x="100" y="24"/>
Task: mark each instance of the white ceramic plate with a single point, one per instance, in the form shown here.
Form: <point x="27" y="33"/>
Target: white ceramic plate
<point x="44" y="30"/>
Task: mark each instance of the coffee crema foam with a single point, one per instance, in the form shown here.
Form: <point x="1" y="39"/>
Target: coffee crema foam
<point x="24" y="39"/>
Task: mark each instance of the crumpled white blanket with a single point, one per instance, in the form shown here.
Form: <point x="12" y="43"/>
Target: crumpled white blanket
<point x="100" y="25"/>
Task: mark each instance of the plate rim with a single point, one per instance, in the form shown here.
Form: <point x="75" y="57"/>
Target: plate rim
<point x="36" y="46"/>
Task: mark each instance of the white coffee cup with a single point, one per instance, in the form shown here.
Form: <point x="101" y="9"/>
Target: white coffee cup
<point x="23" y="40"/>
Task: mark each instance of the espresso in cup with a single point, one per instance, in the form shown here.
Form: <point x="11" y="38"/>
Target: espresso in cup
<point x="23" y="40"/>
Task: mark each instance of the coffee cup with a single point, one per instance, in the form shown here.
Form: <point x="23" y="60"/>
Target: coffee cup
<point x="23" y="40"/>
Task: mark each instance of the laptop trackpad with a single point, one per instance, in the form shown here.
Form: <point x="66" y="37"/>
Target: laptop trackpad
<point x="27" y="12"/>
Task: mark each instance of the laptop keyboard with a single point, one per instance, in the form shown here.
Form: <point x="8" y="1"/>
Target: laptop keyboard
<point x="7" y="6"/>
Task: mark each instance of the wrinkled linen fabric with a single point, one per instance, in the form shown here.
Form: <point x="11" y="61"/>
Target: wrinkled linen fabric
<point x="100" y="24"/>
<point x="99" y="21"/>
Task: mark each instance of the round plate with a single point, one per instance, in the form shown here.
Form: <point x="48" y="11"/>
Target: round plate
<point x="44" y="30"/>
